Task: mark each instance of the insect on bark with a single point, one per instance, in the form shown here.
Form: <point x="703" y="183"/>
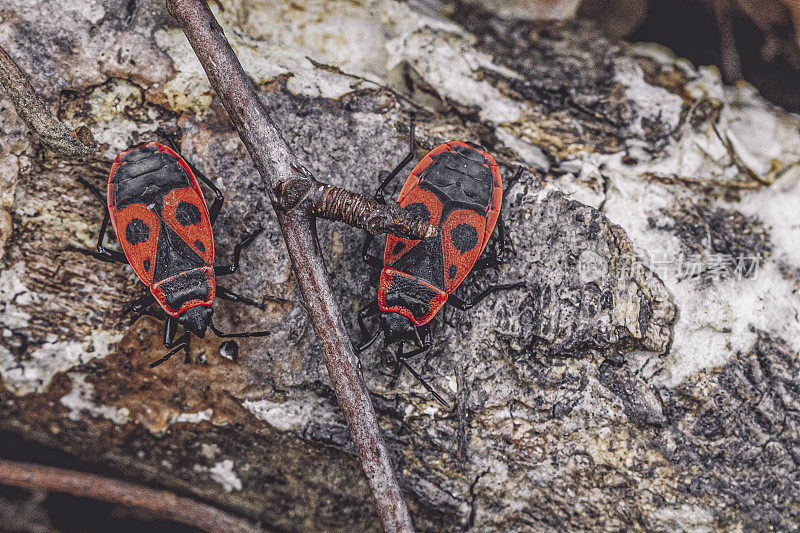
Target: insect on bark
<point x="160" y="218"/>
<point x="458" y="188"/>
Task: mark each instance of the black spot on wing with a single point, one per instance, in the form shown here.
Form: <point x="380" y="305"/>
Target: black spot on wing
<point x="137" y="231"/>
<point x="200" y="246"/>
<point x="452" y="270"/>
<point x="187" y="214"/>
<point x="411" y="294"/>
<point x="146" y="264"/>
<point x="398" y="247"/>
<point x="173" y="255"/>
<point x="464" y="237"/>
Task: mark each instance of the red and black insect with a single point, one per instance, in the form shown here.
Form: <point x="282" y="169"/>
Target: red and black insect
<point x="161" y="221"/>
<point x="457" y="186"/>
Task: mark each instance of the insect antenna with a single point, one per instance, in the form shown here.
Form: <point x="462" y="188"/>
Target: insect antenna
<point x="367" y="343"/>
<point x="170" y="354"/>
<point x="94" y="190"/>
<point x="514" y="177"/>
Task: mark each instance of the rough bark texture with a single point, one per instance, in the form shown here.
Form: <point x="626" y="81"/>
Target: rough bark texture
<point x="619" y="390"/>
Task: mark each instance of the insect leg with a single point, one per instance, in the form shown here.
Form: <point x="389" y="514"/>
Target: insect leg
<point x="501" y="236"/>
<point x="224" y="270"/>
<point x="169" y="138"/>
<point x="371" y="310"/>
<point x="494" y="257"/>
<point x="371" y="260"/>
<point x="367" y="343"/>
<point x="94" y="190"/>
<point x="391" y="175"/>
<point x="181" y="343"/>
<point x="458" y="303"/>
<point x="497" y="255"/>
<point x="401" y="360"/>
<point x="216" y="205"/>
<point x="109" y="255"/>
<point x="366" y="312"/>
<point x="222" y="335"/>
<point x="139" y="305"/>
<point x="225" y="294"/>
<point x="102" y="253"/>
<point x="501" y="229"/>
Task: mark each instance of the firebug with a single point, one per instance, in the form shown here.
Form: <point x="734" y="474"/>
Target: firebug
<point x="457" y="186"/>
<point x="160" y="218"/>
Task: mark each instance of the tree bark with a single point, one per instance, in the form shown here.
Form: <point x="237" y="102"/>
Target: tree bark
<point x="645" y="378"/>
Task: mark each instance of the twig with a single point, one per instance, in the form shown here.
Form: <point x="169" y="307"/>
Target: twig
<point x="354" y="209"/>
<point x="737" y="159"/>
<point x="160" y="503"/>
<point x="52" y="133"/>
<point x="672" y="179"/>
<point x="289" y="185"/>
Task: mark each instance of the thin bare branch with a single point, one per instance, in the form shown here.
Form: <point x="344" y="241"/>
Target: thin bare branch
<point x="292" y="190"/>
<point x="52" y="133"/>
<point x="354" y="209"/>
<point x="160" y="503"/>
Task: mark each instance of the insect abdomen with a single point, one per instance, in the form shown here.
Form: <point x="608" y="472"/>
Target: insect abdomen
<point x="186" y="289"/>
